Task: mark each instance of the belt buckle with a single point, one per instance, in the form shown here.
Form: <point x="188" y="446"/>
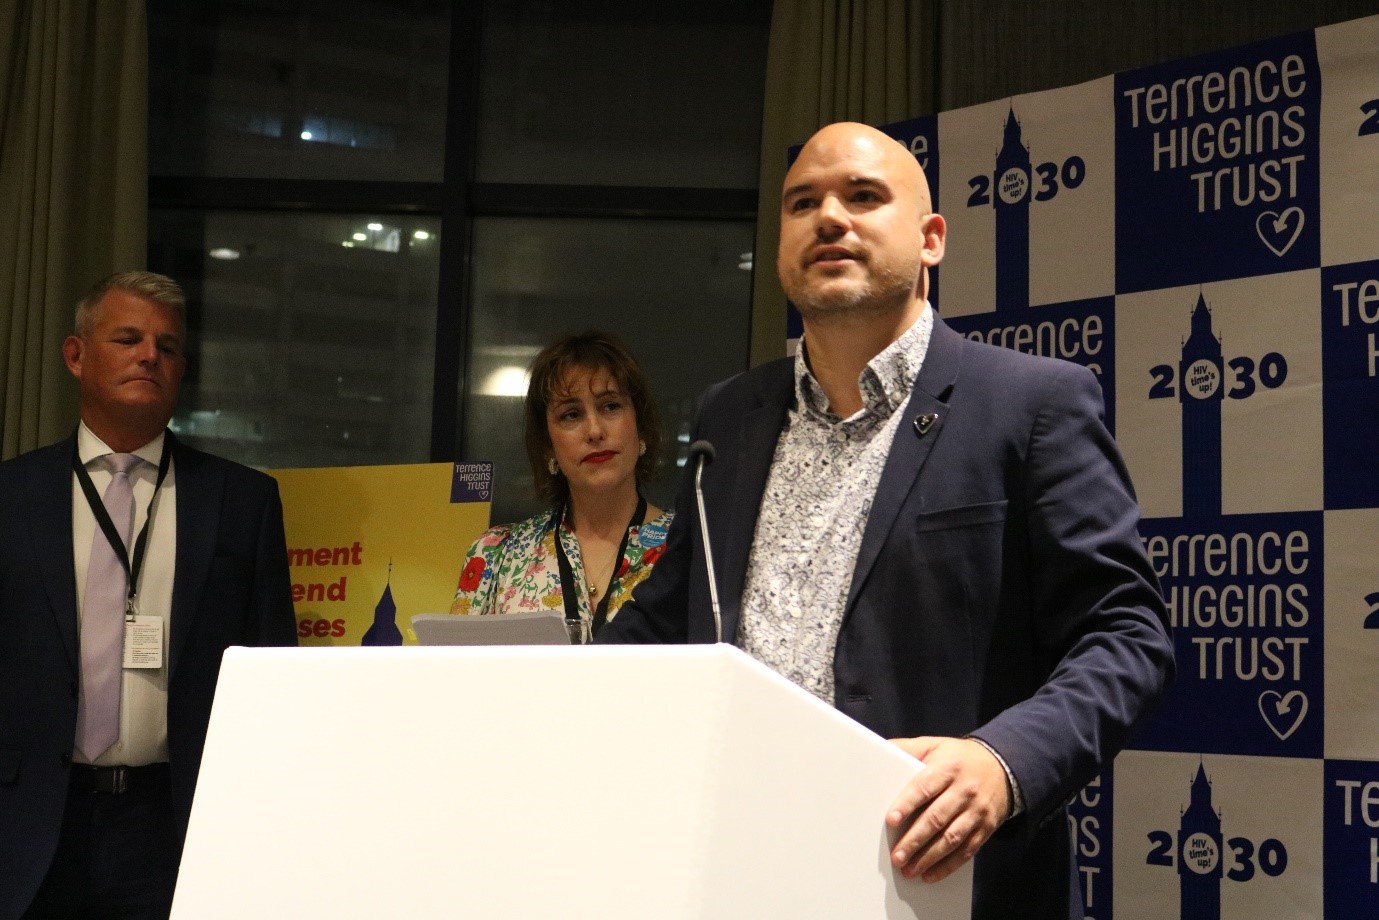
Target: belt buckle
<point x="119" y="780"/>
<point x="106" y="780"/>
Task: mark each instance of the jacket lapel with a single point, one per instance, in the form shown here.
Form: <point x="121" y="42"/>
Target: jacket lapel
<point x="760" y="430"/>
<point x="198" y="521"/>
<point x="918" y="432"/>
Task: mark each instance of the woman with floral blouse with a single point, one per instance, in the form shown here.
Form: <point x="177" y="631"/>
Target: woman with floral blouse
<point x="593" y="437"/>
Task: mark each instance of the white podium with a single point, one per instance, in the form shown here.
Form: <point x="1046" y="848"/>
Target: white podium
<point x="653" y="783"/>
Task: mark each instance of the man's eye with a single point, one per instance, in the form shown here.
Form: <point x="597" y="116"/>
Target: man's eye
<point x="801" y="204"/>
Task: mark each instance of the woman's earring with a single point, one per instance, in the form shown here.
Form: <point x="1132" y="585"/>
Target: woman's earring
<point x="552" y="466"/>
<point x="641" y="449"/>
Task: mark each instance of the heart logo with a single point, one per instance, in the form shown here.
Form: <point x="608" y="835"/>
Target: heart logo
<point x="1278" y="711"/>
<point x="1280" y="231"/>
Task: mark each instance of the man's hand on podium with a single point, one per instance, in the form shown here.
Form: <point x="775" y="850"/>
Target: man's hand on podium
<point x="954" y="803"/>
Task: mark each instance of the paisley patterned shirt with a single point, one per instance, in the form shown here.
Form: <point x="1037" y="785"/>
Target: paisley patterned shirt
<point x="818" y="497"/>
<point x="514" y="568"/>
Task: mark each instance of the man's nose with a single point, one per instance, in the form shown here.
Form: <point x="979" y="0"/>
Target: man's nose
<point x="833" y="216"/>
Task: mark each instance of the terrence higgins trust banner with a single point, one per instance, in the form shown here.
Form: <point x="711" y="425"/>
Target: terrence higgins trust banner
<point x="1204" y="235"/>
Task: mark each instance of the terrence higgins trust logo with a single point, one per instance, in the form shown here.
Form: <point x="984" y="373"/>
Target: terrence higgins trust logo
<point x="1224" y="148"/>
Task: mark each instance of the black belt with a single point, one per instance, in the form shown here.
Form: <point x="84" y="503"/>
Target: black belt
<point x="116" y="780"/>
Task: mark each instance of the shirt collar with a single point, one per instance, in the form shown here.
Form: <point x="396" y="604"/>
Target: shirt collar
<point x="885" y="382"/>
<point x="90" y="447"/>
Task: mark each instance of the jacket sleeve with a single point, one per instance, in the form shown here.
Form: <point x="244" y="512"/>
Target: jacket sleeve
<point x="1095" y="601"/>
<point x="658" y="610"/>
<point x="274" y="621"/>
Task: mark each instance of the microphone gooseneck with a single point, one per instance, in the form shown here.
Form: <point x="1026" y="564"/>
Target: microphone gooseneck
<point x="702" y="453"/>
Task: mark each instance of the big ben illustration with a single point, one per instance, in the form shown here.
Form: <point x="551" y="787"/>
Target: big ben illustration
<point x="383" y="630"/>
<point x="1012" y="187"/>
<point x="1200" y="854"/>
<point x="1201" y="387"/>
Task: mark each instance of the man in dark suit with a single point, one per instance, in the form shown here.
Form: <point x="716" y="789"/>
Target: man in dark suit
<point x="935" y="535"/>
<point x="100" y="741"/>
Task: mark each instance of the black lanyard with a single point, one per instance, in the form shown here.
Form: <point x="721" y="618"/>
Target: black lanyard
<point x="567" y="576"/>
<point x="98" y="510"/>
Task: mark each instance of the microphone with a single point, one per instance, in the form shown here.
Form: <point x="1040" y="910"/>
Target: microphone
<point x="702" y="453"/>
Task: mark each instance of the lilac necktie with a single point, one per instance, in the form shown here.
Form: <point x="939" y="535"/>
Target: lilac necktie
<point x="102" y="619"/>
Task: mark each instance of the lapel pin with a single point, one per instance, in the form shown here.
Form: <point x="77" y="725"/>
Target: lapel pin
<point x="924" y="423"/>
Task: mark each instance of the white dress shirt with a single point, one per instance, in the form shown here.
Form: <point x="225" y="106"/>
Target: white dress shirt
<point x="144" y="692"/>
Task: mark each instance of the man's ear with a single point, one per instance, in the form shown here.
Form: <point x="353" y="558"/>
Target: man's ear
<point x="72" y="348"/>
<point x="935" y="233"/>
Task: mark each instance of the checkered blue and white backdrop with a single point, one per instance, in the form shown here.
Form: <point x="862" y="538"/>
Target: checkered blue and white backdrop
<point x="1204" y="235"/>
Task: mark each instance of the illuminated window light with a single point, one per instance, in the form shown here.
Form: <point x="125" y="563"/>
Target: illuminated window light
<point x="509" y="380"/>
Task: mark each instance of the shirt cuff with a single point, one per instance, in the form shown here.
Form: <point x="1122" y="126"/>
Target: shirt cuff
<point x="1017" y="801"/>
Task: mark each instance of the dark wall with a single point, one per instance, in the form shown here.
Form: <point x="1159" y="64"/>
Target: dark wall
<point x="990" y="49"/>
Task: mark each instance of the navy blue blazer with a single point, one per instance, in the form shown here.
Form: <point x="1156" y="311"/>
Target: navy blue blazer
<point x="231" y="587"/>
<point x="1001" y="590"/>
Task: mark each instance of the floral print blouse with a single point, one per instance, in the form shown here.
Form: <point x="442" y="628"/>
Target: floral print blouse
<point x="514" y="569"/>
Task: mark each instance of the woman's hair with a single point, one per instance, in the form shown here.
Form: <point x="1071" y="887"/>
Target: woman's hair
<point x="590" y="351"/>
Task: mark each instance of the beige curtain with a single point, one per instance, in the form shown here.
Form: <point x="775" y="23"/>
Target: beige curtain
<point x="73" y="189"/>
<point x="831" y="60"/>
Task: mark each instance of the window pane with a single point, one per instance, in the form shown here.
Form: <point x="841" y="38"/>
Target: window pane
<point x="678" y="292"/>
<point x="311" y="337"/>
<point x="623" y="92"/>
<point x="345" y="89"/>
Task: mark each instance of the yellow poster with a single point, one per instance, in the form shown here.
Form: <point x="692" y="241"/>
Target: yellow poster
<point x="372" y="546"/>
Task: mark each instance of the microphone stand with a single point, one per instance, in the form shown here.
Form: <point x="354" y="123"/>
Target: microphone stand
<point x="704" y="451"/>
